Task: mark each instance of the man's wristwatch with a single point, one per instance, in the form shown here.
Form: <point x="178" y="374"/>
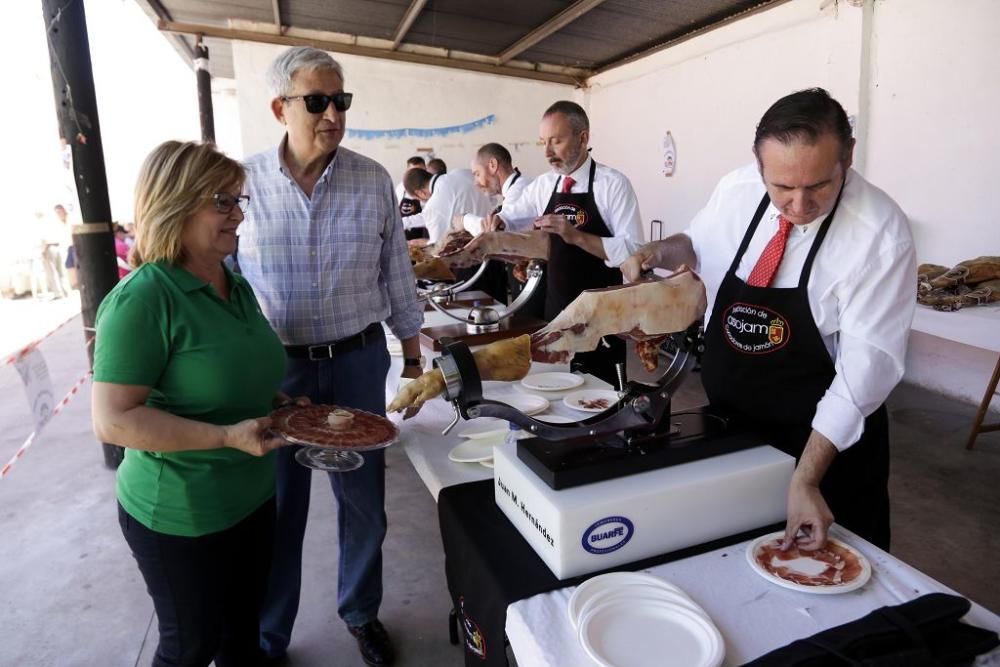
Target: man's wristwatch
<point x="414" y="361"/>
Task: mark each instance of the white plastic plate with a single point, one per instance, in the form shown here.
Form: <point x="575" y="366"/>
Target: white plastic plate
<point x="649" y="633"/>
<point x="474" y="451"/>
<point x="615" y="581"/>
<point x="552" y="381"/>
<point x="577" y="399"/>
<point x="484" y="427"/>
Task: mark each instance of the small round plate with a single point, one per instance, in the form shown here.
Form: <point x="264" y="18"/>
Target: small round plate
<point x="484" y="427"/>
<point x="529" y="404"/>
<point x="591" y="400"/>
<point x="649" y="633"/>
<point x="474" y="451"/>
<point x="487" y="464"/>
<point x="552" y="381"/>
<point x="806" y="566"/>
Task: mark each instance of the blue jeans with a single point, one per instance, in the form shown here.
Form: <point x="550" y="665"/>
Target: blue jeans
<point x="353" y="379"/>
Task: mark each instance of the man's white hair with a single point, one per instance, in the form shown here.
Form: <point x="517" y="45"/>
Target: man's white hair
<point x="284" y="67"/>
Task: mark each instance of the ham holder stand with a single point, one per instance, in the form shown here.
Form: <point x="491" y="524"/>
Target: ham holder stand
<point x="632" y="482"/>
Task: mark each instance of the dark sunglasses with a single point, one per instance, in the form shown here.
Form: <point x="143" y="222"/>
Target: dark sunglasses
<point x="319" y="103"/>
<point x="225" y="202"/>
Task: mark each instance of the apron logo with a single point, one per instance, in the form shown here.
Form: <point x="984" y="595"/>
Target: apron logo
<point x="475" y="643"/>
<point x="753" y="329"/>
<point x="576" y="215"/>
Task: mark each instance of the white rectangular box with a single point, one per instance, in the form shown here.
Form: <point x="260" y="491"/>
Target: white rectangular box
<point x="596" y="526"/>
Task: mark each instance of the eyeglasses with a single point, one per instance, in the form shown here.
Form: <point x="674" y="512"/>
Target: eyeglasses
<point x="224" y="202"/>
<point x="319" y="103"/>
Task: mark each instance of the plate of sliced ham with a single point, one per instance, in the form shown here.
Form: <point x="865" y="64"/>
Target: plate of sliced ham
<point x="836" y="568"/>
<point x="591" y="400"/>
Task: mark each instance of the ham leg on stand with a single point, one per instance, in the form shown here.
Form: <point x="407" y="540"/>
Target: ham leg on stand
<point x="505" y="246"/>
<point x="644" y="312"/>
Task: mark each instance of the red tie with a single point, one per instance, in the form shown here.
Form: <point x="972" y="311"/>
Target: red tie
<point x="567" y="184"/>
<point x="770" y="259"/>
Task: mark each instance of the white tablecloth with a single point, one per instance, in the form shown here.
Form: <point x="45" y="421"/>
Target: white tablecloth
<point x="753" y="615"/>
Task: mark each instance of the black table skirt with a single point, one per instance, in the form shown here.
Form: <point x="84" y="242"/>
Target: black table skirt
<point x="489" y="565"/>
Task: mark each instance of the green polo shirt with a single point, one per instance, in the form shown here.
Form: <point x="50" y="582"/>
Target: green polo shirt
<point x="205" y="359"/>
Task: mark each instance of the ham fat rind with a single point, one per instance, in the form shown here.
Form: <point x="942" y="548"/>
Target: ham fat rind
<point x="640" y="311"/>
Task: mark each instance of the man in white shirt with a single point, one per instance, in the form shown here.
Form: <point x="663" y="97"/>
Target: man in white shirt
<point x="409" y="206"/>
<point x="445" y="197"/>
<point x="592" y="214"/>
<point x="496" y="176"/>
<point x="809" y="271"/>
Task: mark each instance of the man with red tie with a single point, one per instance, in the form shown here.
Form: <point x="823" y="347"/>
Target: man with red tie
<point x="592" y="214"/>
<point x="809" y="271"/>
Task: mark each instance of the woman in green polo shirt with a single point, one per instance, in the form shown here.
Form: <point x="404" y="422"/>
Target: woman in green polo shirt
<point x="186" y="370"/>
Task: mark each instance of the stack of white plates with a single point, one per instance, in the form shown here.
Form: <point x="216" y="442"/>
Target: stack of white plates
<point x="632" y="619"/>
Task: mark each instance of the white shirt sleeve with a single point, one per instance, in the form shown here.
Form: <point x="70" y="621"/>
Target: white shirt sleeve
<point x="520" y="213"/>
<point x="877" y="307"/>
<point x="436" y="212"/>
<point x="622" y="218"/>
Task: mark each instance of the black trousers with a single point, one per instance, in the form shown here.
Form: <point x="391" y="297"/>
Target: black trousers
<point x="207" y="590"/>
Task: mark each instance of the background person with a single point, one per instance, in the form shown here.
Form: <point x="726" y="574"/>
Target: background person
<point x="172" y="385"/>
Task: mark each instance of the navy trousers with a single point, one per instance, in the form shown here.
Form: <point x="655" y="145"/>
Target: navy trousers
<point x="207" y="591"/>
<point x="353" y="379"/>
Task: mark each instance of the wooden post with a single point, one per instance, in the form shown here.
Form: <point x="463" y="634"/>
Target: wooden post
<point x="79" y="127"/>
<point x="205" y="112"/>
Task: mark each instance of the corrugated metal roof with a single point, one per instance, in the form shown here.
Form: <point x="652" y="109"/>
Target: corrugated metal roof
<point x="593" y="34"/>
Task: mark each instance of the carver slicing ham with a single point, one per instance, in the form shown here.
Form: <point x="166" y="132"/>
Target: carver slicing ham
<point x="591" y="214"/>
<point x="809" y="271"/>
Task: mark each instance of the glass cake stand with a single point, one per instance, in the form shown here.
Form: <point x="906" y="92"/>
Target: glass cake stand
<point x="327" y="458"/>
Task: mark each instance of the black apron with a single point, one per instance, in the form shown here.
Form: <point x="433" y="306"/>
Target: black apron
<point x="571" y="270"/>
<point x="766" y="365"/>
<point x="409" y="206"/>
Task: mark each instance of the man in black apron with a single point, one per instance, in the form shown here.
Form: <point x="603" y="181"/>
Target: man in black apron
<point x="410" y="206"/>
<point x="564" y="203"/>
<point x="766" y="363"/>
<point x="496" y="176"/>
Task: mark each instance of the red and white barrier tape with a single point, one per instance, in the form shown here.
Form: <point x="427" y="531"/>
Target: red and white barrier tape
<point x="33" y="344"/>
<point x="34" y="434"/>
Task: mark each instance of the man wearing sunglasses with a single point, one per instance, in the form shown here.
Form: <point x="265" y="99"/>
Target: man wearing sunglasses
<point x="323" y="246"/>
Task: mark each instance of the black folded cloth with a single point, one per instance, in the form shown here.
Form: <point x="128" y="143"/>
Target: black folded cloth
<point x="919" y="633"/>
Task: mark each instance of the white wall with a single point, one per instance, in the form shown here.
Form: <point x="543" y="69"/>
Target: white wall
<point x="390" y="95"/>
<point x="921" y="76"/>
<point x="934" y="142"/>
<point x="709" y="92"/>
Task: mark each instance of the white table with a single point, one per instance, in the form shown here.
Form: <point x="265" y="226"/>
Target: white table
<point x="978" y="326"/>
<point x="753" y="615"/>
<point x="421" y="437"/>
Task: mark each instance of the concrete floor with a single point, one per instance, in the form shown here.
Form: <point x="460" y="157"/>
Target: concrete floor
<point x="70" y="593"/>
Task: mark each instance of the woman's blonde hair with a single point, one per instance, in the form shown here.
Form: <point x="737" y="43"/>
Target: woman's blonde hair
<point x="175" y="180"/>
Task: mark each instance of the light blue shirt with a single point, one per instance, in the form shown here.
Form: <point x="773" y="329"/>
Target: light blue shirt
<point x="325" y="267"/>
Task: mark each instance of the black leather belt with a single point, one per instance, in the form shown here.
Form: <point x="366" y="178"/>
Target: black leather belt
<point x="321" y="351"/>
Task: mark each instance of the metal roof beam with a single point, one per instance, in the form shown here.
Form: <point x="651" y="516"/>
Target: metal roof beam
<point x="554" y="24"/>
<point x="416" y="6"/>
<point x="374" y="52"/>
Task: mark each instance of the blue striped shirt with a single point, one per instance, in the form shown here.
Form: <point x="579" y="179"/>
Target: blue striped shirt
<point x="325" y="267"/>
